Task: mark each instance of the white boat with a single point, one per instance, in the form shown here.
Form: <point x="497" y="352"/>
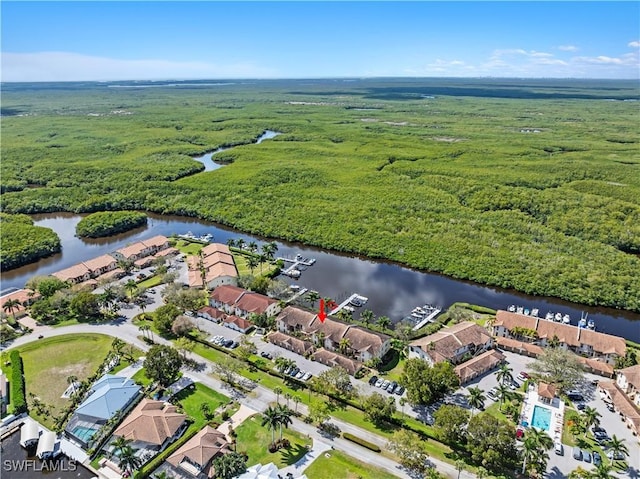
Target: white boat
<point x="348" y="308"/>
<point x="558" y="317"/>
<point x="549" y="316"/>
<point x="534" y="312"/>
<point x="591" y="324"/>
<point x="520" y="310"/>
<point x="582" y="323"/>
<point x="512" y="308"/>
<point x="566" y="319"/>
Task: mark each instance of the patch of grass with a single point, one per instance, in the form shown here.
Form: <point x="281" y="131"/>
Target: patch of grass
<point x="190" y="399"/>
<point x="150" y="282"/>
<point x="494" y="410"/>
<point x="242" y="265"/>
<point x="50" y="361"/>
<point x="66" y="322"/>
<point x="340" y="466"/>
<point x="254" y="439"/>
<point x="570" y="417"/>
<point x="141" y="378"/>
<point x="188" y="247"/>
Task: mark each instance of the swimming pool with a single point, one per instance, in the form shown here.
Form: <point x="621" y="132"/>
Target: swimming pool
<point x="83" y="433"/>
<point x="541" y="418"/>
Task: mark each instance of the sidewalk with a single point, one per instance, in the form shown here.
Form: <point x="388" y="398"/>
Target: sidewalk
<point x="238" y="418"/>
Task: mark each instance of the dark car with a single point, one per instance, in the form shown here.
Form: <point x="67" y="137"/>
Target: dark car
<point x="392" y="387"/>
<point x="597" y="458"/>
<point x="581" y="406"/>
<point x="228" y="343"/>
<point x="265" y="354"/>
<point x="234" y="345"/>
<point x="373" y="380"/>
<point x="400" y="390"/>
<point x="577" y="454"/>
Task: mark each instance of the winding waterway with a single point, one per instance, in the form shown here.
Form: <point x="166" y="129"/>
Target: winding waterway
<point x="392" y="290"/>
<point x="210" y="164"/>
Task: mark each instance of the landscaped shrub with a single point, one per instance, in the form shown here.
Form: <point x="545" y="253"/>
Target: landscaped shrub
<point x="18" y="393"/>
<point x="362" y="442"/>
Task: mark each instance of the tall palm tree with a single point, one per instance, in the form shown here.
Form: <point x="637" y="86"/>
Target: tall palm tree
<point x="617" y="446"/>
<point x="277" y="390"/>
<point x="344" y="345"/>
<point x="128" y="460"/>
<point x="344" y="315"/>
<point x="131" y="286"/>
<point x="231" y="242"/>
<point x="591" y="416"/>
<point x="578" y="428"/>
<point x="297" y="400"/>
<point x="504" y="374"/>
<point x="11" y="306"/>
<point x="287" y="396"/>
<point x="240" y="243"/>
<point x="253" y="246"/>
<point x="118" y="444"/>
<point x="503" y="392"/>
<point x="476" y="399"/>
<point x="384" y="322"/>
<point x="228" y="466"/>
<point x="541" y="438"/>
<point x="252" y="263"/>
<point x="312" y="297"/>
<point x="271" y="419"/>
<point x="603" y="471"/>
<point x="284" y="414"/>
<point x="366" y="316"/>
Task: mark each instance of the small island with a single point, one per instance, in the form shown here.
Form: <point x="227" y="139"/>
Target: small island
<point x="24" y="243"/>
<point x="107" y="223"/>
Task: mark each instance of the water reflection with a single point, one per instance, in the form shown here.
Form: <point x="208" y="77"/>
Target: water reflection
<point x="211" y="165"/>
<point x="393" y="290"/>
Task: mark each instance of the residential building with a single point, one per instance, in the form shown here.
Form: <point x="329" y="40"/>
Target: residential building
<point x="214" y="267"/>
<point x="628" y="380"/>
<point x="75" y="274"/>
<point x="211" y="314"/>
<point x="479" y="365"/>
<point x="298" y="346"/>
<point x="195" y="457"/>
<point x="237" y="323"/>
<point x="331" y="359"/>
<point x="455" y="344"/>
<point x="142" y="249"/>
<point x="152" y="425"/>
<point x="29" y="433"/>
<point x="240" y="302"/>
<point x="355" y="341"/>
<point x="101" y="265"/>
<point x="108" y="396"/>
<point x="582" y="341"/>
<point x="24" y="297"/>
<point x="629" y="412"/>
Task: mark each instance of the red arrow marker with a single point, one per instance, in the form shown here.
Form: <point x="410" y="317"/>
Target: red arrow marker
<point x="322" y="315"/>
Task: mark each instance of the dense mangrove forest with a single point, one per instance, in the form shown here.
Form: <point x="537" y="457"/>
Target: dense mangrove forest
<point x="23" y="242"/>
<point x="526" y="184"/>
<point x="107" y="223"/>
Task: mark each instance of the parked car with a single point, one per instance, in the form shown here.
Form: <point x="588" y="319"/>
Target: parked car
<point x="577" y="454"/>
<point x="581" y="406"/>
<point x="491" y="394"/>
<point x="227" y="343"/>
<point x="234" y="345"/>
<point x="575" y="396"/>
<point x="586" y="455"/>
<point x="265" y="354"/>
<point x="294" y="371"/>
<point x="522" y="376"/>
<point x="392" y="387"/>
<point x="373" y="380"/>
<point x="514" y="385"/>
<point x="300" y="374"/>
<point x="400" y="390"/>
<point x="558" y="448"/>
<point x="385" y="384"/>
<point x="287" y="370"/>
<point x="379" y="383"/>
<point x="616" y="456"/>
<point x="307" y="376"/>
<point x="597" y="458"/>
<point x="610" y="407"/>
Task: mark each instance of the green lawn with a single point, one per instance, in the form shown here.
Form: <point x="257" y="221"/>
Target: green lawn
<point x="49" y="362"/>
<point x="150" y="282"/>
<point x="141" y="378"/>
<point x="191" y="399"/>
<point x="243" y="267"/>
<point x="340" y="466"/>
<point x="254" y="440"/>
<point x="188" y="248"/>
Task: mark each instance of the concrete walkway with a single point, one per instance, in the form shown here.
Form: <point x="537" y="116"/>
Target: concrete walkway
<point x="305" y="461"/>
<point x="238" y="418"/>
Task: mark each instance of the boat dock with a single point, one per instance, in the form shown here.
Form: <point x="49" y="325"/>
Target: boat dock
<point x="293" y="271"/>
<point x="421" y="316"/>
<point x="354" y="299"/>
<point x="300" y="293"/>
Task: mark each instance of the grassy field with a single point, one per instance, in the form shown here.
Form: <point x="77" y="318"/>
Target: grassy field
<point x="532" y="185"/>
<point x="50" y="361"/>
<point x="340" y="466"/>
<point x="191" y="399"/>
<point x="254" y="440"/>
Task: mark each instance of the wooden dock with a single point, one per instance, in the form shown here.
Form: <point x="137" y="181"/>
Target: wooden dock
<point x="347" y="301"/>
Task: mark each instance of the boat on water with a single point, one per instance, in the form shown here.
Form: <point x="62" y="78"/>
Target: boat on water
<point x="558" y="317"/>
<point x="422" y="315"/>
<point x="549" y="316"/>
<point x="582" y="323"/>
<point x="512" y="308"/>
<point x="591" y="324"/>
<point x="566" y="319"/>
<point x="534" y="312"/>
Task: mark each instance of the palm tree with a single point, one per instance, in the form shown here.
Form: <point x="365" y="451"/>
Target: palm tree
<point x="476" y="399"/>
<point x="618" y="447"/>
<point x="271" y="419"/>
<point x="344" y="345"/>
<point x="312" y="297"/>
<point x="229" y="465"/>
<point x="284" y="417"/>
<point x="297" y="400"/>
<point x="541" y="438"/>
<point x="128" y="460"/>
<point x="253" y="246"/>
<point x="277" y="390"/>
<point x="287" y="396"/>
<point x="143" y="328"/>
<point x="231" y="242"/>
<point x="504" y="374"/>
<point x="459" y="466"/>
<point x="283" y="363"/>
<point x="262" y="259"/>
<point x="503" y="392"/>
<point x="578" y="428"/>
<point x="240" y="243"/>
<point x="384" y="322"/>
<point x="11" y="306"/>
<point x="131" y="286"/>
<point x="603" y="471"/>
<point x="252" y="263"/>
<point x="118" y="444"/>
<point x="591" y="416"/>
<point x="366" y="316"/>
<point x="400" y="345"/>
<point x="344" y="315"/>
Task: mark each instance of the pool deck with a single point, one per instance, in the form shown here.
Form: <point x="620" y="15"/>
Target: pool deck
<point x="556" y="422"/>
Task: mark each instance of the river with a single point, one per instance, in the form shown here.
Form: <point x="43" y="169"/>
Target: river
<point x="393" y="290"/>
<point x="211" y="165"/>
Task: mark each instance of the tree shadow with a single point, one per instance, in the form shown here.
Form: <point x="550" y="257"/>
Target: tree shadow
<point x="292" y="454"/>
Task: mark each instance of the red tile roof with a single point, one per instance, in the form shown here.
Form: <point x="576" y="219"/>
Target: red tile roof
<point x="73" y="272"/>
<point x="254" y="302"/>
<point x="329" y="358"/>
<point x="243" y="324"/>
<point x="215" y="248"/>
<point x="152" y="422"/>
<point x="227" y="294"/>
<point x="442" y="345"/>
<point x="201" y="449"/>
<point x="103" y="261"/>
<point x="156" y="241"/>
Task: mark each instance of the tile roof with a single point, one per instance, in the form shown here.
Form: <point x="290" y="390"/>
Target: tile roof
<point x="194" y="278"/>
<point x="254" y="302"/>
<point x="597" y="366"/>
<point x="622" y="403"/>
<point x="156" y="241"/>
<point x="167" y="252"/>
<point x="362" y="339"/>
<point x="215" y="248"/>
<point x="519" y="346"/>
<point x="546" y="390"/>
<point x="220" y="269"/>
<point x="152" y="422"/>
<point x="227" y="294"/>
<point x="201" y="449"/>
<point x="213" y="312"/>
<point x="296" y="345"/>
<point x="571" y="335"/>
<point x="132" y="250"/>
<point x="296" y="317"/>
<point x="241" y="323"/>
<point x="329" y="358"/>
<point x="218" y="258"/>
<point x="22" y="295"/>
<point x="72" y="272"/>
<point x="193" y="262"/>
<point x="632" y="375"/>
<point x="479" y="364"/>
<point x="102" y="261"/>
<point x="442" y="345"/>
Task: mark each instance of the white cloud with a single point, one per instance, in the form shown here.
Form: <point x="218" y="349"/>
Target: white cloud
<point x="634" y="44"/>
<point x="568" y="48"/>
<point x="66" y="66"/>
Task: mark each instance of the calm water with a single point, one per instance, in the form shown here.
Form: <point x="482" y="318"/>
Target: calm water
<point x="210" y="164"/>
<point x="392" y="289"/>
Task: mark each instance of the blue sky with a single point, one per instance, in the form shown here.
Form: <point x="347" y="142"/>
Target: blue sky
<point x="66" y="41"/>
